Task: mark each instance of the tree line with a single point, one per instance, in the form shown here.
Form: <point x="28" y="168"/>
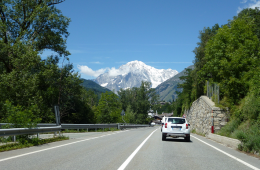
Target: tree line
<point x="229" y="55"/>
<point x="30" y="87"/>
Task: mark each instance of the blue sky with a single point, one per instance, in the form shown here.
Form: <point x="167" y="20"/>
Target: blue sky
<point x="105" y="34"/>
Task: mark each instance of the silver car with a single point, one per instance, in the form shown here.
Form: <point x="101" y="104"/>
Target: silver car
<point x="176" y="127"/>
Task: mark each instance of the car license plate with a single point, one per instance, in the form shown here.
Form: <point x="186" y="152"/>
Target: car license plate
<point x="176" y="128"/>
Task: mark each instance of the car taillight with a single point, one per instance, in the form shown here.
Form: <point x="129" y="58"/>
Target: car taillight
<point x="165" y="125"/>
<point x="187" y="126"/>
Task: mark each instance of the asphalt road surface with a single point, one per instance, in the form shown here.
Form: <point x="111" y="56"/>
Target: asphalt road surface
<point x="128" y="149"/>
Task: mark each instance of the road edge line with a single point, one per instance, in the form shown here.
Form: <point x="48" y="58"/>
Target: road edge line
<point x="231" y="156"/>
<point x="29" y="153"/>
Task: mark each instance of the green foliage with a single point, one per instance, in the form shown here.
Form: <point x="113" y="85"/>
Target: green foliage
<point x="249" y="134"/>
<point x="231" y="54"/>
<point x="198" y="83"/>
<point x="130" y="115"/>
<point x="108" y="109"/>
<point x="20" y="117"/>
<point x="166" y="108"/>
<point x="168" y="89"/>
<point x="229" y="128"/>
<point x="253" y="14"/>
<point x="36" y="23"/>
<point x="141" y="99"/>
<point x="34" y="86"/>
<point x="91" y="85"/>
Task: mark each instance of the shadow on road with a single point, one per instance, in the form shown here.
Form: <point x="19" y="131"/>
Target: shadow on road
<point x="177" y="140"/>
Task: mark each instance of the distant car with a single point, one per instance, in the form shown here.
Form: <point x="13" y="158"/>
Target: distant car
<point x="152" y="124"/>
<point x="176" y="127"/>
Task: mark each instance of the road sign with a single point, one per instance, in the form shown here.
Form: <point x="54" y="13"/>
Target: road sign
<point x="122" y="113"/>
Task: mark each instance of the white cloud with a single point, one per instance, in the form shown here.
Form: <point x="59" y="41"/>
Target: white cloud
<point x="115" y="72"/>
<point x="111" y="71"/>
<point x="88" y="71"/>
<point x="255" y="4"/>
<point x="252" y="4"/>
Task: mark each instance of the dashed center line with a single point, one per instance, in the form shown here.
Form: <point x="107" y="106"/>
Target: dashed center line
<point x="134" y="153"/>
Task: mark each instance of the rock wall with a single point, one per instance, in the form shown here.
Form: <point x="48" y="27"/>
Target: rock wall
<point x="202" y="113"/>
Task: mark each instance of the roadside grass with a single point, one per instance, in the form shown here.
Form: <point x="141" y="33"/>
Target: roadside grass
<point x="247" y="132"/>
<point x="198" y="133"/>
<point x="89" y="130"/>
<point x="24" y="142"/>
<point x="229" y="128"/>
<point x="249" y="135"/>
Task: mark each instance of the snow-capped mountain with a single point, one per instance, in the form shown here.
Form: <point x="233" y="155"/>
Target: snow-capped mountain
<point x="132" y="74"/>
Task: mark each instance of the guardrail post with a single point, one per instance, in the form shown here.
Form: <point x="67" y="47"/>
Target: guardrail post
<point x="14" y="138"/>
<point x="103" y="129"/>
<point x="95" y="129"/>
<point x="57" y="114"/>
<point x="78" y="130"/>
<point x="118" y="126"/>
<point x="38" y="135"/>
<point x="87" y="129"/>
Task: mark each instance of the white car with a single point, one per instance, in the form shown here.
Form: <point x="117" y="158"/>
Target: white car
<point x="152" y="124"/>
<point x="176" y="127"/>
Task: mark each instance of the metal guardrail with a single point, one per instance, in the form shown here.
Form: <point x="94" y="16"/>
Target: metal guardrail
<point x="93" y="126"/>
<point x="79" y="126"/>
<point x="22" y="131"/>
<point x="52" y="127"/>
<point x="132" y="126"/>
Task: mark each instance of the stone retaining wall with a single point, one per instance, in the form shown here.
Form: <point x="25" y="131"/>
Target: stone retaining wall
<point x="200" y="116"/>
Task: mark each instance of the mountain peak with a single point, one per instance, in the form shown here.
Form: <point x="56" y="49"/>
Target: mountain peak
<point x="135" y="63"/>
<point x="132" y="74"/>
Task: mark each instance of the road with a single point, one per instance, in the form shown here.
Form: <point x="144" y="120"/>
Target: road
<point x="128" y="149"/>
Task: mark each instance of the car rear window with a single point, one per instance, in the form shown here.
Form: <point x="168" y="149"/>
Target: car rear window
<point x="176" y="120"/>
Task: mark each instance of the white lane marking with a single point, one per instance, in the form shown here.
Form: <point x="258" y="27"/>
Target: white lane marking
<point x="5" y="159"/>
<point x="122" y="167"/>
<point x="231" y="156"/>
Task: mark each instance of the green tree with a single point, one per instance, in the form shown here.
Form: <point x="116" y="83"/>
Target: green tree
<point x="253" y="14"/>
<point x="19" y="116"/>
<point x="38" y="24"/>
<point x="198" y="84"/>
<point x="141" y="99"/>
<point x="129" y="115"/>
<point x="230" y="55"/>
<point x="109" y="108"/>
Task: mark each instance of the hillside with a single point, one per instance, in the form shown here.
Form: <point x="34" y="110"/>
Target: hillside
<point x="167" y="90"/>
<point x="91" y="85"/>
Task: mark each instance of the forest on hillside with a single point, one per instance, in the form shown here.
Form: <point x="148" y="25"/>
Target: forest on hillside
<point x="229" y="56"/>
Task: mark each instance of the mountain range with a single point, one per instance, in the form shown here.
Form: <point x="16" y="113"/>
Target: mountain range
<point x="132" y="74"/>
<point x="167" y="90"/>
<point x="90" y="85"/>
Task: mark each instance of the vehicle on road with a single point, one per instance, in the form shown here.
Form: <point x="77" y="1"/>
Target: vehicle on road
<point x="163" y="120"/>
<point x="176" y="127"/>
<point x="152" y="124"/>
